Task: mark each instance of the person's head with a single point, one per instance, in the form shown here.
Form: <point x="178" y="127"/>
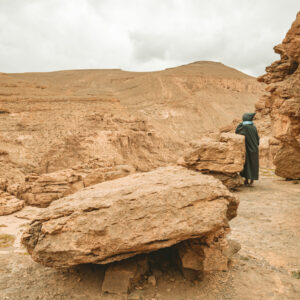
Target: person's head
<point x="248" y="116"/>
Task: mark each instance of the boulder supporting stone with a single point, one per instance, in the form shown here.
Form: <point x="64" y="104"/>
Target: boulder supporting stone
<point x="121" y="277"/>
<point x="122" y="218"/>
<point x="207" y="254"/>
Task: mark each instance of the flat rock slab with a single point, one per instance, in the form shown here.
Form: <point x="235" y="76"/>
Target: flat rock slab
<point x="136" y="214"/>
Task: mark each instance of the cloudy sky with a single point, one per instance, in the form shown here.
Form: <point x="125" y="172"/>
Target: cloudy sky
<point x="141" y="35"/>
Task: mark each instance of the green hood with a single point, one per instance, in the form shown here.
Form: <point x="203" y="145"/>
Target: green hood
<point x="248" y="116"/>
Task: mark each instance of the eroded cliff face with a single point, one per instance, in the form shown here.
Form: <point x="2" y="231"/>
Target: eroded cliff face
<point x="279" y="110"/>
<point x="47" y="134"/>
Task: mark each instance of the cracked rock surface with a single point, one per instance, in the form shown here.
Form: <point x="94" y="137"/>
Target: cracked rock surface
<point x="136" y="214"/>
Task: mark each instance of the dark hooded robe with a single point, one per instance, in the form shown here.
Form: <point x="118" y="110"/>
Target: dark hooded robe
<point x="248" y="129"/>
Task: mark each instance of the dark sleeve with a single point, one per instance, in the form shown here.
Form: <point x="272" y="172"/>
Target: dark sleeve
<point x="239" y="129"/>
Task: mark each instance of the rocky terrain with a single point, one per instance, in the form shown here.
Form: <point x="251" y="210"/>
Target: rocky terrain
<point x="63" y="131"/>
<point x="71" y="142"/>
<point x="266" y="227"/>
<point x="116" y="185"/>
<point x="52" y="121"/>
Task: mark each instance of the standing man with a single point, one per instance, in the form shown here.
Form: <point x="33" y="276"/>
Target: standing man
<point x="251" y="166"/>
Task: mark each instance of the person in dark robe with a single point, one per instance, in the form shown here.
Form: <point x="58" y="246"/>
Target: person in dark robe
<point x="251" y="166"/>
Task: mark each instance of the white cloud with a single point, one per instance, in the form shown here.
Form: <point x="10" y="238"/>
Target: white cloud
<point x="140" y="35"/>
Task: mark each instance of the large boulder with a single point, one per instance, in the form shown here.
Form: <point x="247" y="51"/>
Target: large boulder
<point x="280" y="108"/>
<point x="136" y="214"/>
<point x="222" y="156"/>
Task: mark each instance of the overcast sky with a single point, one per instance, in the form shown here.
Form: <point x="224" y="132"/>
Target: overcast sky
<point x="141" y="35"/>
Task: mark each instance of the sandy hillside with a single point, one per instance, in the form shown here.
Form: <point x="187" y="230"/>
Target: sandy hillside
<point x="57" y="120"/>
<point x="188" y="100"/>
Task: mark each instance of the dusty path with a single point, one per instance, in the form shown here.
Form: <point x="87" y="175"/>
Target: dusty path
<point x="267" y="227"/>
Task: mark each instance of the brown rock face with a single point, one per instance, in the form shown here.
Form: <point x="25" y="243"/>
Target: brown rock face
<point x="9" y="204"/>
<point x="281" y="107"/>
<point x="222" y="156"/>
<point x="42" y="190"/>
<point x="136" y="214"/>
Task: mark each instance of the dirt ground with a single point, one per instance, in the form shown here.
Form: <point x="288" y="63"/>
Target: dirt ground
<point x="267" y="266"/>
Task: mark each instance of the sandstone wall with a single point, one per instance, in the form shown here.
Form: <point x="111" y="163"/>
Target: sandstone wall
<point x="279" y="110"/>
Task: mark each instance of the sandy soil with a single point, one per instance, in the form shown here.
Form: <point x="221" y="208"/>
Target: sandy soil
<point x="266" y="226"/>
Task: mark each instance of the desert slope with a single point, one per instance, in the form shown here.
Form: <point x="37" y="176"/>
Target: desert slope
<point x="94" y="118"/>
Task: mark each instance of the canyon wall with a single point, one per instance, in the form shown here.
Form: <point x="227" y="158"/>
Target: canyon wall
<point x="278" y="112"/>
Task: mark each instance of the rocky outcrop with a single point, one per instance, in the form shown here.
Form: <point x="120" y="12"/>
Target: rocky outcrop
<point x="280" y="109"/>
<point x="137" y="214"/>
<point x="41" y="190"/>
<point x="9" y="204"/>
<point x="222" y="156"/>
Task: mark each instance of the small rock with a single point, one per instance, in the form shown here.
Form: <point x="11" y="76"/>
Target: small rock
<point x="9" y="204"/>
<point x="152" y="280"/>
<point x="120" y="277"/>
